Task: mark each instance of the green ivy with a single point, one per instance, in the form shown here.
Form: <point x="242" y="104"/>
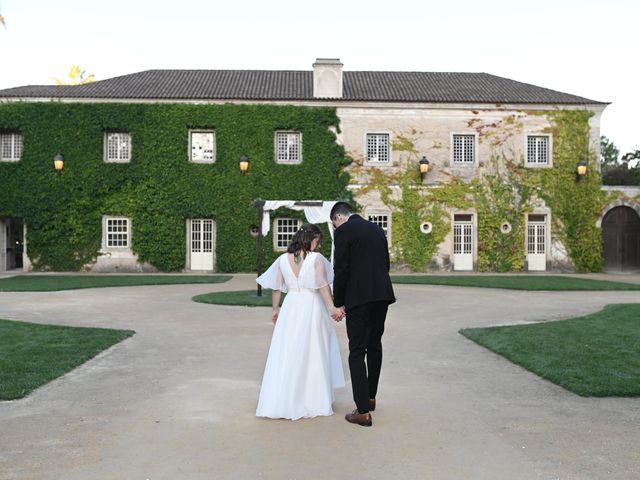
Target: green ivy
<point x="575" y="205"/>
<point x="503" y="191"/>
<point x="159" y="189"/>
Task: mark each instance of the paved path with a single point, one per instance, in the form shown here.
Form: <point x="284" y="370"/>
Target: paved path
<point x="176" y="400"/>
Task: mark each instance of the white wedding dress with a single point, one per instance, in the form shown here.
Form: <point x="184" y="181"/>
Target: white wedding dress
<point x="304" y="365"/>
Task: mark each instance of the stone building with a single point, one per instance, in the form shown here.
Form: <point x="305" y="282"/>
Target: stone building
<point x="505" y="159"/>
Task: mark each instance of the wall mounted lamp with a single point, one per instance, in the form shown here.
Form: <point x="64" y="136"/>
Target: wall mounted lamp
<point x="244" y="164"/>
<point x="424" y="167"/>
<point x="581" y="169"/>
<point x="58" y="162"/>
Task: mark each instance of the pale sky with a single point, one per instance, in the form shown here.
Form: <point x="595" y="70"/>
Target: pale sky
<point x="583" y="47"/>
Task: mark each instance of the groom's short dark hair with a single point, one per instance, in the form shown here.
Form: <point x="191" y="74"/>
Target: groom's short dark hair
<point x="341" y="208"/>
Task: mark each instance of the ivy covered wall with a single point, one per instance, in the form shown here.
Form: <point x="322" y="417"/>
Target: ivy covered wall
<point x="159" y="189"/>
<point x="499" y="190"/>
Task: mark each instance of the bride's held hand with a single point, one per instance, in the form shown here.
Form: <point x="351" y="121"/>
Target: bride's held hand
<point x="336" y="314"/>
<point x="274" y="315"/>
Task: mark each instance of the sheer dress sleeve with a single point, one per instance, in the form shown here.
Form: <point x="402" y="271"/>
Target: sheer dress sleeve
<point x="320" y="275"/>
<point x="273" y="277"/>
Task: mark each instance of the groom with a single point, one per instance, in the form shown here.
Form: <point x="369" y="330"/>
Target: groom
<point x="361" y="288"/>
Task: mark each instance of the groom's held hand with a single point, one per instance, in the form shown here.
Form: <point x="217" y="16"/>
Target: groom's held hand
<point x="339" y="314"/>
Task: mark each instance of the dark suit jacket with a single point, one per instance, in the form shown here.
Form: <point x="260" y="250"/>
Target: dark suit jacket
<point x="361" y="264"/>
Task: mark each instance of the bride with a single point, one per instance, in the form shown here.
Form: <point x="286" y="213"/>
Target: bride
<point x="303" y="366"/>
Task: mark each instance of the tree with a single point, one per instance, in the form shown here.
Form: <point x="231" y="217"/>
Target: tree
<point x="627" y="157"/>
<point x="615" y="170"/>
<point x="609" y="153"/>
<point x="77" y="76"/>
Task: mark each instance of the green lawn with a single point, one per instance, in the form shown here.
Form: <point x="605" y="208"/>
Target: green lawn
<point x="245" y="298"/>
<point x="594" y="356"/>
<point x="48" y="283"/>
<point x="34" y="354"/>
<point x="516" y="282"/>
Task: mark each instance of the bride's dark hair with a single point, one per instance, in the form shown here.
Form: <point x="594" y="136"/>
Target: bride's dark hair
<point x="301" y="240"/>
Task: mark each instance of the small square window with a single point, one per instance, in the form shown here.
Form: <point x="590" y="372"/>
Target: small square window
<point x="378" y="148"/>
<point x="117" y="232"/>
<point x="117" y="147"/>
<point x="382" y="220"/>
<point x="464" y="147"/>
<point x="202" y="146"/>
<point x="538" y="150"/>
<point x="288" y="147"/>
<point x="283" y="232"/>
<point x="10" y="147"/>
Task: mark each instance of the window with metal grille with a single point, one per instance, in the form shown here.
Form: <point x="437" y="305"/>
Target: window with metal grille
<point x="464" y="149"/>
<point x="10" y="146"/>
<point x="380" y="219"/>
<point x="202" y="146"/>
<point x="117" y="147"/>
<point x="288" y="147"/>
<point x="284" y="230"/>
<point x="378" y="147"/>
<point x="117" y="232"/>
<point x="538" y="150"/>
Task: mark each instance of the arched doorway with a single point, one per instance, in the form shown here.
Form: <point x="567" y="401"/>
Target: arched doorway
<point x="621" y="239"/>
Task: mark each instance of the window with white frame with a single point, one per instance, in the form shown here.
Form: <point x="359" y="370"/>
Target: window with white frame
<point x="378" y="147"/>
<point x="284" y="229"/>
<point x="464" y="149"/>
<point x="538" y="150"/>
<point x="10" y="146"/>
<point x="117" y="232"/>
<point x="117" y="147"/>
<point x="382" y="219"/>
<point x="288" y="147"/>
<point x="202" y="146"/>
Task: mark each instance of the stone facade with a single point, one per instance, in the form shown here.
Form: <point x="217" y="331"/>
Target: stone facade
<point x="499" y="131"/>
<point x="496" y="132"/>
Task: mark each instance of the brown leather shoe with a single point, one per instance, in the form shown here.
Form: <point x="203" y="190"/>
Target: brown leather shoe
<point x="363" y="419"/>
<point x="372" y="404"/>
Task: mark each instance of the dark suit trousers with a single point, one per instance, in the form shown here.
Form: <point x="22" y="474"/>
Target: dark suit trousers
<point x="365" y="326"/>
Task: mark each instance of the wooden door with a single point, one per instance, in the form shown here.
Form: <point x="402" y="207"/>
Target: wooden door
<point x="621" y="240"/>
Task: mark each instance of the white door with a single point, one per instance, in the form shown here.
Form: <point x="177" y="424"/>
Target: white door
<point x="3" y="245"/>
<point x="463" y="244"/>
<point x="202" y="244"/>
<point x="537" y="243"/>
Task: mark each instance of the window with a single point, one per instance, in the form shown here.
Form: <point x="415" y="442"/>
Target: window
<point x="117" y="147"/>
<point x="464" y="149"/>
<point x="538" y="150"/>
<point x="117" y="232"/>
<point x="284" y="230"/>
<point x="380" y="219"/>
<point x="10" y="146"/>
<point x="288" y="147"/>
<point x="202" y="146"/>
<point x="378" y="147"/>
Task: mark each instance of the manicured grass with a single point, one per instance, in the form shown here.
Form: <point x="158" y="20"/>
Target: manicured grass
<point x="593" y="356"/>
<point x="48" y="283"/>
<point x="516" y="282"/>
<point x="34" y="354"/>
<point x="245" y="298"/>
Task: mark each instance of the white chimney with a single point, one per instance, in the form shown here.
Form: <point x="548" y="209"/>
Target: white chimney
<point x="327" y="78"/>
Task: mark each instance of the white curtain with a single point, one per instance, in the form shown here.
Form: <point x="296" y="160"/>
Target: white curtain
<point x="319" y="214"/>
